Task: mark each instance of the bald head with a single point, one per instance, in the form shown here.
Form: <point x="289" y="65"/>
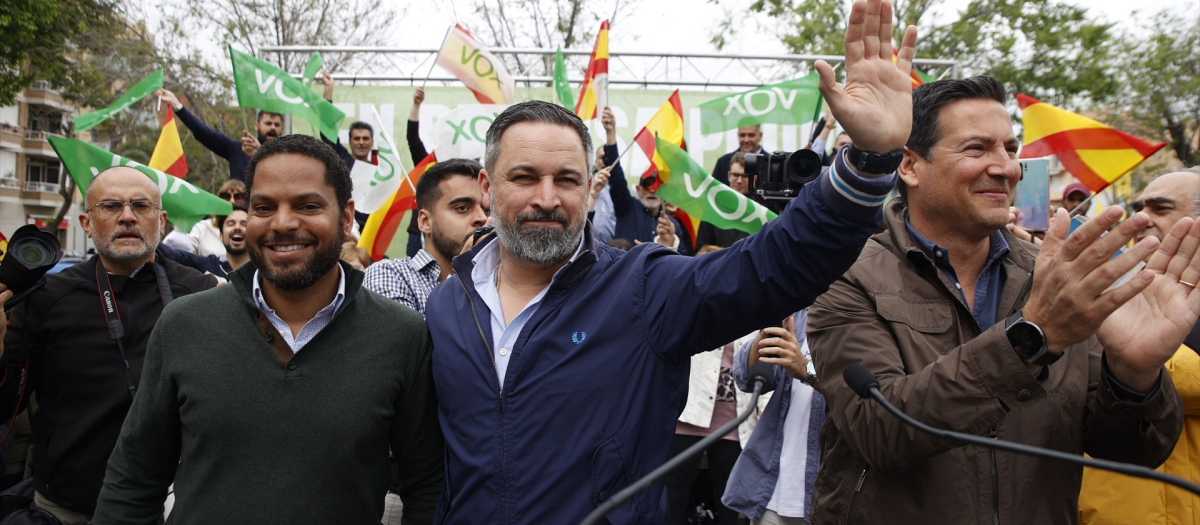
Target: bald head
<point x="1167" y="199"/>
<point x="124" y="178"/>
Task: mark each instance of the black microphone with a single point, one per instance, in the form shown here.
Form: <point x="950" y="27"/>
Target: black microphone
<point x="863" y="382"/>
<point x="761" y="375"/>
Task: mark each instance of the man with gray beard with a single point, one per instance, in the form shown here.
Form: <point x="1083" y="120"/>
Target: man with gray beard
<point x="561" y="364"/>
<point x="82" y="360"/>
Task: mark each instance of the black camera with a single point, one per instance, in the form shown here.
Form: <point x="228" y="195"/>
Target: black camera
<point x="780" y="175"/>
<point x="31" y="253"/>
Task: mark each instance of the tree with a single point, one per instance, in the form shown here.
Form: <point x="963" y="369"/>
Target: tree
<point x="42" y="39"/>
<point x="1160" y="72"/>
<point x="1048" y="49"/>
<point x="251" y="24"/>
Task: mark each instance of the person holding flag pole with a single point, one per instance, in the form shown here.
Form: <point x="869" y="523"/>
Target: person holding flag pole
<point x="237" y="152"/>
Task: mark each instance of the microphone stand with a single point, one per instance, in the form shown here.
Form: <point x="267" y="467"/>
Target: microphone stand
<point x="1137" y="471"/>
<point x="642" y="484"/>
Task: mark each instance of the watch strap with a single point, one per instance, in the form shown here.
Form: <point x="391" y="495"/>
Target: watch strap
<point x="875" y="163"/>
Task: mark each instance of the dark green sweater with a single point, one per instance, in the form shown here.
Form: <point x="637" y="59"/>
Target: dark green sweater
<point x="249" y="439"/>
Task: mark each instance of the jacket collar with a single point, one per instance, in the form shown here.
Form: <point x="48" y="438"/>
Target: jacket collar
<point x="463" y="263"/>
<point x="895" y="238"/>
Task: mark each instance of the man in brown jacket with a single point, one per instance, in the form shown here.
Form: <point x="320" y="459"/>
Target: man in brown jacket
<point x="969" y="329"/>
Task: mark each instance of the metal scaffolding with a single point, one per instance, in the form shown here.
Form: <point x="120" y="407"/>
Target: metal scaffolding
<point x="420" y="72"/>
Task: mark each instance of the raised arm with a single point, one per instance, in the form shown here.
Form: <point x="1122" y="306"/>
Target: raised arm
<point x="212" y="139"/>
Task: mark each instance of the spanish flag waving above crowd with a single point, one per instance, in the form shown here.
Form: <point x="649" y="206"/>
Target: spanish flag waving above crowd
<point x="594" y="93"/>
<point x="1094" y="153"/>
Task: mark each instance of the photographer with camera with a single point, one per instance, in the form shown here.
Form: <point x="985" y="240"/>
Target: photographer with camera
<point x="79" y="341"/>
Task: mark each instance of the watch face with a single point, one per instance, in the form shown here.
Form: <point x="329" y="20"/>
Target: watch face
<point x="1025" y="338"/>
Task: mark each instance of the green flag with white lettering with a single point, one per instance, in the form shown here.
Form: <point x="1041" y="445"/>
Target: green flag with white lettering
<point x="686" y="185"/>
<point x="562" y="86"/>
<point x="137" y="92"/>
<point x="266" y="87"/>
<point x="315" y="63"/>
<point x="790" y="102"/>
<point x="185" y="204"/>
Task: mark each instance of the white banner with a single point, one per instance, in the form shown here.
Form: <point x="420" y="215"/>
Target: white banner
<point x="462" y="133"/>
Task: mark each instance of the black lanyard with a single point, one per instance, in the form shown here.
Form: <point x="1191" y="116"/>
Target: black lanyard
<point x="112" y="314"/>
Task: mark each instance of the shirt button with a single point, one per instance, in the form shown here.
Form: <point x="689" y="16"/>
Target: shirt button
<point x="270" y="338"/>
<point x="938" y="253"/>
<point x="957" y="285"/>
<point x="603" y="495"/>
<point x="503" y="351"/>
<point x="1024" y="395"/>
<point x="291" y="365"/>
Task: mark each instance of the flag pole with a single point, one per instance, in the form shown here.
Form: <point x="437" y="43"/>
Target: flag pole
<point x="434" y="64"/>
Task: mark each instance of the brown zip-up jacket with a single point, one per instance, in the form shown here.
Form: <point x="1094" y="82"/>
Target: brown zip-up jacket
<point x="899" y="316"/>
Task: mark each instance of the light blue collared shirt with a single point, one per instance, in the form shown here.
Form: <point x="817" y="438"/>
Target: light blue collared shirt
<point x="487" y="262"/>
<point x="313" y="326"/>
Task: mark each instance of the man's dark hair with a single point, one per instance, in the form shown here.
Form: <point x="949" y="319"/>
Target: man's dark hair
<point x="928" y="101"/>
<point x="429" y="187"/>
<point x="258" y="118"/>
<point x="535" y="111"/>
<point x="362" y="125"/>
<point x="221" y="218"/>
<point x="337" y="175"/>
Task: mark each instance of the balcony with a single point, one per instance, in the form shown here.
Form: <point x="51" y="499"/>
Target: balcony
<point x="41" y="94"/>
<point x="10" y="183"/>
<point x="41" y="187"/>
<point x="36" y="144"/>
<point x="11" y="137"/>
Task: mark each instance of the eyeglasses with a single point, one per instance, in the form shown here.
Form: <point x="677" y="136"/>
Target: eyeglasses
<point x="237" y="196"/>
<point x="113" y="209"/>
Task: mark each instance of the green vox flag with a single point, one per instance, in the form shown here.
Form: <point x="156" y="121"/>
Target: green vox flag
<point x="562" y="86"/>
<point x="788" y="102"/>
<point x="266" y="87"/>
<point x="686" y="185"/>
<point x="315" y="63"/>
<point x="185" y="204"/>
<point x="137" y="92"/>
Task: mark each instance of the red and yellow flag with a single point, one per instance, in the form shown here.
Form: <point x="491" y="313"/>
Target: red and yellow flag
<point x="1094" y="153"/>
<point x="594" y="93"/>
<point x="666" y="124"/>
<point x="691" y="224"/>
<point x="383" y="223"/>
<point x="168" y="153"/>
<point x="918" y="77"/>
<point x="476" y="67"/>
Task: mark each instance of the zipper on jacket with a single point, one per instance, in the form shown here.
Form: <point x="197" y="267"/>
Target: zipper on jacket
<point x="857" y="488"/>
<point x="995" y="485"/>
<point x="488" y="345"/>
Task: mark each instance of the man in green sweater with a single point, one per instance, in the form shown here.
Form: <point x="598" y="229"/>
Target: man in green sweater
<point x="275" y="399"/>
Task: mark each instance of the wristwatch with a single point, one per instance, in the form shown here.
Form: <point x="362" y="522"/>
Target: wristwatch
<point x="810" y="376"/>
<point x="1029" y="341"/>
<point x="877" y="163"/>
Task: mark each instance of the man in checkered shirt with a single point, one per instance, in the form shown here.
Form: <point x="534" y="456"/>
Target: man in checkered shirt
<point x="450" y="208"/>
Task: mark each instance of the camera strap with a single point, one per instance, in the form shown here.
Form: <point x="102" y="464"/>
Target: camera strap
<point x="112" y="313"/>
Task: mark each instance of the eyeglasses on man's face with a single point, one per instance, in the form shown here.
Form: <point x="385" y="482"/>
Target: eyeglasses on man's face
<point x="112" y="209"/>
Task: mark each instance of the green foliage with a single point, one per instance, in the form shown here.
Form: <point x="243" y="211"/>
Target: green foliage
<point x="813" y="26"/>
<point x="1160" y="72"/>
<point x="46" y="39"/>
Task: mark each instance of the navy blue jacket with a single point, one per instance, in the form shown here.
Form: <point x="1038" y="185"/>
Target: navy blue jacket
<point x="216" y="142"/>
<point x="217" y="266"/>
<point x="599" y="374"/>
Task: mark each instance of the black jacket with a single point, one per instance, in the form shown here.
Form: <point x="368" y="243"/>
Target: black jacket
<point x="76" y="371"/>
<point x="225" y="147"/>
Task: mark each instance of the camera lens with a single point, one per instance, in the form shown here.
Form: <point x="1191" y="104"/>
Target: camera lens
<point x="32" y="254"/>
<point x="804" y="166"/>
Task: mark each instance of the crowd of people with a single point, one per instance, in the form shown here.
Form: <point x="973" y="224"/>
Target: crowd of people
<point x="552" y="335"/>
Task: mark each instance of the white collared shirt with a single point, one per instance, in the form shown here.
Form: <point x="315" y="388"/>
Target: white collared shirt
<point x="313" y="326"/>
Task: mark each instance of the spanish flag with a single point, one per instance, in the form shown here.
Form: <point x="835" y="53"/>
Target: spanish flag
<point x="666" y="124"/>
<point x="1094" y="153"/>
<point x="594" y="93"/>
<point x="168" y="153"/>
<point x="381" y="226"/>
<point x="476" y="67"/>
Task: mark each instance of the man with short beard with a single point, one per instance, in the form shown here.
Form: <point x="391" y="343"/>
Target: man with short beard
<point x="561" y="364"/>
<point x="82" y="360"/>
<point x="449" y="211"/>
<point x="267" y="126"/>
<point x="274" y="399"/>
<point x="233" y="237"/>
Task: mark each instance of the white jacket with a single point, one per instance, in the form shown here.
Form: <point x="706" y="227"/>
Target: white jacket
<point x="702" y="389"/>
